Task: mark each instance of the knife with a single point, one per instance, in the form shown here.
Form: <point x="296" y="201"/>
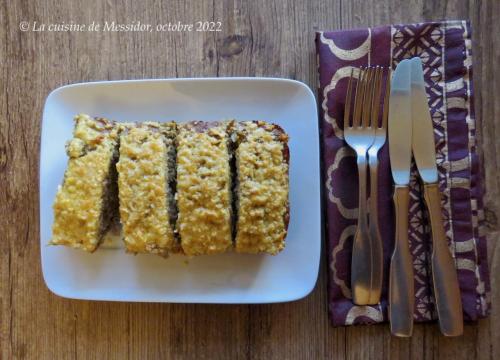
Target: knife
<point x="444" y="274"/>
<point x="401" y="288"/>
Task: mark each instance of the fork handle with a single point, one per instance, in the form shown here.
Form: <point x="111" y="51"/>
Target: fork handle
<point x="401" y="288"/>
<point x="375" y="238"/>
<point x="361" y="265"/>
<point x="444" y="274"/>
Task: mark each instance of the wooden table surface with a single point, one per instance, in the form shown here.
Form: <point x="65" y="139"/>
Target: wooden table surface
<point x="259" y="38"/>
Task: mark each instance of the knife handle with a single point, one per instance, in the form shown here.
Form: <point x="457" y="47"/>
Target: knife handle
<point x="401" y="288"/>
<point x="444" y="274"/>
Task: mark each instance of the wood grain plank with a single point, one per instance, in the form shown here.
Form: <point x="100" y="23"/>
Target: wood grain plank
<point x="6" y="306"/>
<point x="19" y="196"/>
<point x="486" y="51"/>
<point x="285" y="330"/>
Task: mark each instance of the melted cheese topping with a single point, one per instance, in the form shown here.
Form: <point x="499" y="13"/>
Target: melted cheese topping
<point x="203" y="189"/>
<point x="263" y="190"/>
<point x="78" y="205"/>
<point x="143" y="188"/>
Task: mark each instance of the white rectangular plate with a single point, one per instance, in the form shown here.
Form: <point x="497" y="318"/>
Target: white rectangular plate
<point x="111" y="274"/>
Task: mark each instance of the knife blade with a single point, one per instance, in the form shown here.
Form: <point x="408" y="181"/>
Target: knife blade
<point x="444" y="275"/>
<point x="399" y="124"/>
<point x="423" y="130"/>
<point x="401" y="289"/>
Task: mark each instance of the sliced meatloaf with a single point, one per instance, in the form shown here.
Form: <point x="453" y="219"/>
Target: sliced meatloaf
<point x="204" y="187"/>
<point x="261" y="191"/>
<point x="146" y="179"/>
<point x="87" y="201"/>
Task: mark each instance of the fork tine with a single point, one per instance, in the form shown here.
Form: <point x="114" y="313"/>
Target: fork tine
<point x="356" y="119"/>
<point x="385" y="114"/>
<point x="376" y="96"/>
<point x="367" y="98"/>
<point x="347" y="110"/>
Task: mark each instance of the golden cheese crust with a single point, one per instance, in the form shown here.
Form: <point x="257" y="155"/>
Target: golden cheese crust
<point x="85" y="203"/>
<point x="262" y="159"/>
<point x="204" y="188"/>
<point x="144" y="172"/>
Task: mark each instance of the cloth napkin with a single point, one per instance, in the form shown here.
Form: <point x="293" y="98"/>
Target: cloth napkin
<point x="445" y="49"/>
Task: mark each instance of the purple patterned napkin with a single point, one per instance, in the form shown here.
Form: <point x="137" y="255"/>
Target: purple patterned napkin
<point x="445" y="49"/>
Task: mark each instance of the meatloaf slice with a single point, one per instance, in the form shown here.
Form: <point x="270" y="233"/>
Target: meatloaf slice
<point x="146" y="176"/>
<point x="204" y="187"/>
<point x="87" y="201"/>
<point x="261" y="191"/>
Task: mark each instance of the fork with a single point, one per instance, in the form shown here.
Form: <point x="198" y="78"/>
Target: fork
<point x="360" y="135"/>
<point x="380" y="138"/>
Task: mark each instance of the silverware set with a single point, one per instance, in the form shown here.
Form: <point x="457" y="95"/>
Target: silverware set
<point x="406" y="119"/>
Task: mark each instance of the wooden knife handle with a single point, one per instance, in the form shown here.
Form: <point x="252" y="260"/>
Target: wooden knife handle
<point x="444" y="274"/>
<point x="401" y="288"/>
